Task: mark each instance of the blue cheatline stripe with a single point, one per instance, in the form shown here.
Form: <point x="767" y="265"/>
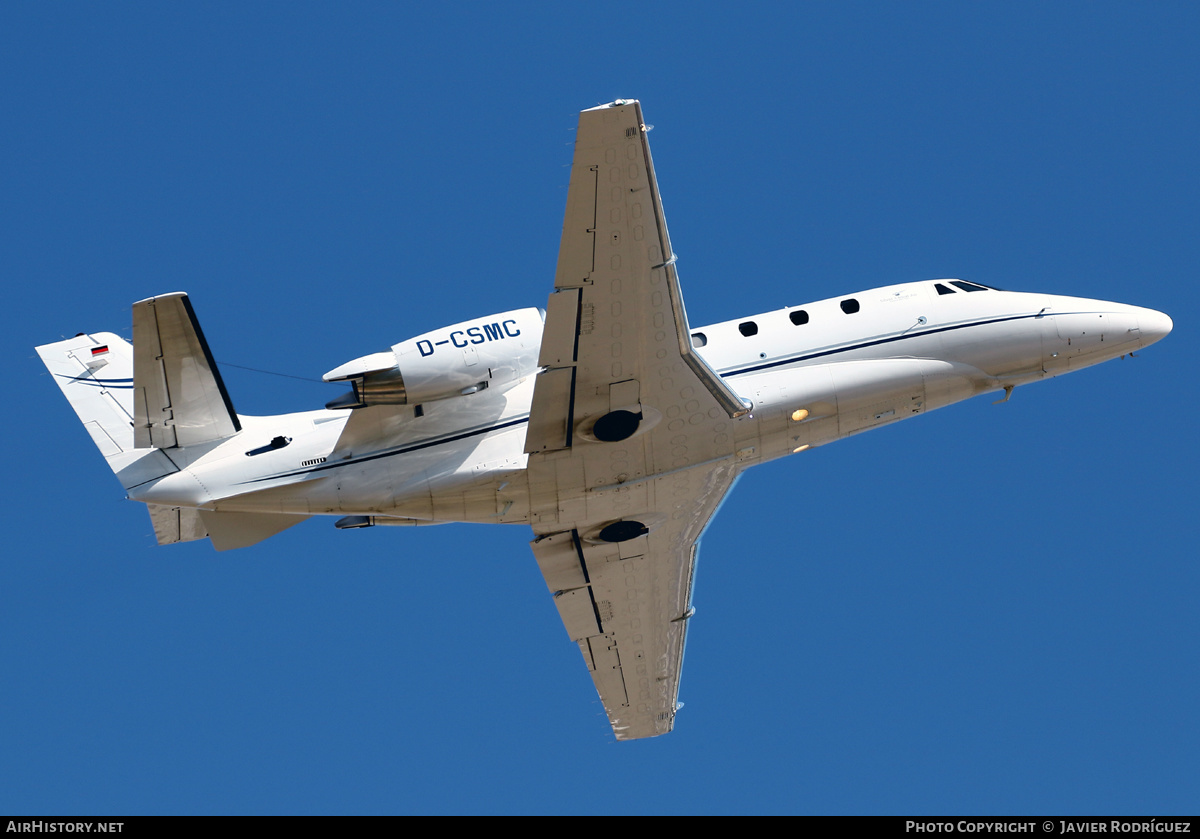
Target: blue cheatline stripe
<point x="727" y="373"/>
<point x="424" y="444"/>
<point x="92" y="381"/>
<point x="821" y="353"/>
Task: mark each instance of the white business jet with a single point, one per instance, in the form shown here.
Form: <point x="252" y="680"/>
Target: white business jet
<point x="605" y="422"/>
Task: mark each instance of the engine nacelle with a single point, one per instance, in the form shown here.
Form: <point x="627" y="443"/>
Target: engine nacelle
<point x="467" y="357"/>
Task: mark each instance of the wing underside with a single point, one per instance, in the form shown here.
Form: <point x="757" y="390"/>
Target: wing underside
<point x="632" y="438"/>
<point x="627" y="604"/>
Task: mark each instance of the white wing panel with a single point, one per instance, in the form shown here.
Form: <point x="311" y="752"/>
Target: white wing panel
<point x="631" y="435"/>
<point x="627" y="604"/>
<point x="617" y="312"/>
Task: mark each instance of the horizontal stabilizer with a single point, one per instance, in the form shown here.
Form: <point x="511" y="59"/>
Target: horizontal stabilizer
<point x="226" y="530"/>
<point x="176" y="524"/>
<point x="241" y="530"/>
<point x="178" y="396"/>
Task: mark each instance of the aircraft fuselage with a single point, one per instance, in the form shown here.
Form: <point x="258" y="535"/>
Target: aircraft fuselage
<point x="815" y="374"/>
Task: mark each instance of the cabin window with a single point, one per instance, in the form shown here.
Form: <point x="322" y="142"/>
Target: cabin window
<point x="748" y="328"/>
<point x="941" y="289"/>
<point x="799" y="317"/>
<point x="699" y="339"/>
<point x="968" y="286"/>
<point x="849" y="305"/>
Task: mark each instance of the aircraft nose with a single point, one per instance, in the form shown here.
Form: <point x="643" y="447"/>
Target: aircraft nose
<point x="1154" y="325"/>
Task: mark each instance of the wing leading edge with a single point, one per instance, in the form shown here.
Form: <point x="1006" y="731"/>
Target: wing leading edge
<point x="633" y="439"/>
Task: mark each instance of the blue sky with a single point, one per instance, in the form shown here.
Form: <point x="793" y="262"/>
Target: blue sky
<point x="990" y="609"/>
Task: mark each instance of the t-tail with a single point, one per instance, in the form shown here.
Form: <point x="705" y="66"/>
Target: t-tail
<point x="141" y="401"/>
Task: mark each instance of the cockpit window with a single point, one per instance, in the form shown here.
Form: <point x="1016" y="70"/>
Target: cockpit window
<point x="941" y="289"/>
<point x="799" y="317"/>
<point x="748" y="328"/>
<point x="968" y="286"/>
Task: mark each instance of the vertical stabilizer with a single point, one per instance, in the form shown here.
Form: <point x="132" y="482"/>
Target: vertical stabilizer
<point x="95" y="373"/>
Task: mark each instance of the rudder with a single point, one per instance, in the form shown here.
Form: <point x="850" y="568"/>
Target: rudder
<point x="95" y="373"/>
